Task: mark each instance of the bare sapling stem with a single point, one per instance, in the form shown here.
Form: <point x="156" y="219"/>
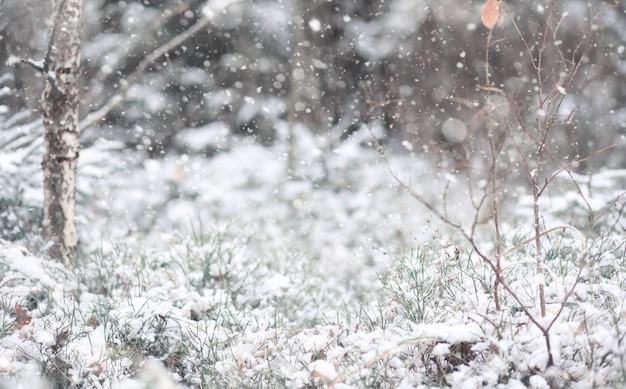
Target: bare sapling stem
<point x="496" y="221"/>
<point x="537" y="230"/>
<point x="493" y="196"/>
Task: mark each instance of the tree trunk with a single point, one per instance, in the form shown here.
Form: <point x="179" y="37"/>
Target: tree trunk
<point x="296" y="81"/>
<point x="60" y="118"/>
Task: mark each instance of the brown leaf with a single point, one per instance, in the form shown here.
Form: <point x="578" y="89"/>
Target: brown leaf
<point x="489" y="13"/>
<point x="93" y="322"/>
<point x="22" y="318"/>
<point x="61" y="339"/>
<point x="96" y="369"/>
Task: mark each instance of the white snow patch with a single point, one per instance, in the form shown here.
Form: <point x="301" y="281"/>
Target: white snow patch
<point x="323" y="369"/>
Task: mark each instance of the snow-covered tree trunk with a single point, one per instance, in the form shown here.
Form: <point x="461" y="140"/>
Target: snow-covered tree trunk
<point x="60" y="117"/>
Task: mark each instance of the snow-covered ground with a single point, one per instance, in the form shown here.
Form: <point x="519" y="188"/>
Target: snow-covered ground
<point x="223" y="272"/>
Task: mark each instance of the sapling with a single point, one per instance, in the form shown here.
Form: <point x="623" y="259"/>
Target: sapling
<point x="519" y="140"/>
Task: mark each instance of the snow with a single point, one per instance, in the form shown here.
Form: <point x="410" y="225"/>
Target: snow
<point x="293" y="290"/>
<point x="210" y="267"/>
<point x="13" y="60"/>
<point x="454" y="130"/>
<point x="324" y="370"/>
<point x="215" y="7"/>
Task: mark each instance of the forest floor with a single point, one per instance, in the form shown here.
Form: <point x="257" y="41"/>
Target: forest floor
<point x="224" y="272"/>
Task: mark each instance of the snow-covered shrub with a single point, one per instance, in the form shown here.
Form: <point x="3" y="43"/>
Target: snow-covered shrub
<point x="418" y="290"/>
<point x="275" y="300"/>
<point x="21" y="178"/>
<point x="20" y="172"/>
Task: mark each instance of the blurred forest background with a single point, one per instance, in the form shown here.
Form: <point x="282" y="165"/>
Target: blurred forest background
<point x="325" y="64"/>
<point x="235" y="269"/>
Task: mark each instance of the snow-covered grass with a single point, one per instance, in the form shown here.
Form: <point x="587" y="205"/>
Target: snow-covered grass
<point x="223" y="273"/>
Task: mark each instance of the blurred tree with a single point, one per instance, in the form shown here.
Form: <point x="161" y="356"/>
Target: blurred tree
<point x="426" y="56"/>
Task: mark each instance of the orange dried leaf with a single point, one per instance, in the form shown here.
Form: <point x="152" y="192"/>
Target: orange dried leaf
<point x="489" y="13"/>
<point x="22" y="318"/>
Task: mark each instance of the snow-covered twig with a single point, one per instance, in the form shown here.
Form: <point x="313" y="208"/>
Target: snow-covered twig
<point x="14" y="60"/>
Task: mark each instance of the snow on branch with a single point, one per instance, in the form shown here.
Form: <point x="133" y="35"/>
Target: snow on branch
<point x="14" y="60"/>
<point x="216" y="7"/>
